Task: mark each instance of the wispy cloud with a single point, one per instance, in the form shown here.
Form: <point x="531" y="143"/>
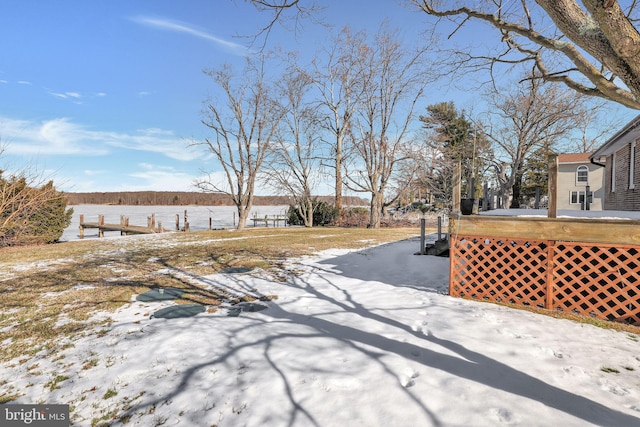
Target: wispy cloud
<point x="66" y="95"/>
<point x="4" y="81"/>
<point x="74" y="97"/>
<point x="61" y="136"/>
<point x="56" y="136"/>
<point x="93" y="172"/>
<point x="180" y="27"/>
<point x="162" y="177"/>
<point x="144" y="177"/>
<point x="24" y="82"/>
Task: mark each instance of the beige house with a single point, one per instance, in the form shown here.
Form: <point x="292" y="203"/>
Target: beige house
<point x="577" y="176"/>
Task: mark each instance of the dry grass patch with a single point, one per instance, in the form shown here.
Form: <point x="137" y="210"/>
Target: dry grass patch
<point x="50" y="294"/>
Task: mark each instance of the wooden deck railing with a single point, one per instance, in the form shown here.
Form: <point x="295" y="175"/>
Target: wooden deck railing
<point x="586" y="266"/>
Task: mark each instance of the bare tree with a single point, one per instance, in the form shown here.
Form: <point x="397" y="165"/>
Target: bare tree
<point x="283" y="12"/>
<point x="593" y="47"/>
<point x="393" y="80"/>
<point x="294" y="160"/>
<point x="592" y="127"/>
<point x="434" y="173"/>
<point x="337" y="75"/>
<point x="528" y="118"/>
<point x="243" y="128"/>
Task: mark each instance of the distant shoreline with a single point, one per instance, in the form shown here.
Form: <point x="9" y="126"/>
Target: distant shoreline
<point x="186" y="198"/>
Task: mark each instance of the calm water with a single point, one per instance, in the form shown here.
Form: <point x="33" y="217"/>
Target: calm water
<point x="198" y="216"/>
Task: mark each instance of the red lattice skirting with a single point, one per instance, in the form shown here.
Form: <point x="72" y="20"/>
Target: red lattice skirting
<point x="599" y="280"/>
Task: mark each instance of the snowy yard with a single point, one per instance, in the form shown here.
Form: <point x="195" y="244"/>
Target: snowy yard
<point x="355" y="338"/>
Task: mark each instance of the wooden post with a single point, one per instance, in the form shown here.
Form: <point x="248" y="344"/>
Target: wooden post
<point x="177" y="222"/>
<point x="553" y="185"/>
<point x="548" y="300"/>
<point x="210" y="223"/>
<point x="423" y="246"/>
<point x="536" y="204"/>
<point x="101" y="219"/>
<point x="81" y="226"/>
<point x="457" y="187"/>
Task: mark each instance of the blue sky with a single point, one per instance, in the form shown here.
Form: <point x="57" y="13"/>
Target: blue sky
<point x="104" y="95"/>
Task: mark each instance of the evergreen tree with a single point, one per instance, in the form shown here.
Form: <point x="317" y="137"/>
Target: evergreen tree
<point x="458" y="140"/>
<point x="536" y="175"/>
<point x="31" y="215"/>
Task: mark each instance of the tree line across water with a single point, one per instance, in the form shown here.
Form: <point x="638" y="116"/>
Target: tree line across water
<point x="184" y="198"/>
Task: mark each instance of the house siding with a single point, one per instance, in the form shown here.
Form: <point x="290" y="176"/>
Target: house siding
<point x="623" y="198"/>
<point x="567" y="182"/>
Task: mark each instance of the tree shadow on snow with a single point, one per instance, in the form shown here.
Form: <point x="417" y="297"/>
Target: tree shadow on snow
<point x="390" y="263"/>
<point x="457" y="360"/>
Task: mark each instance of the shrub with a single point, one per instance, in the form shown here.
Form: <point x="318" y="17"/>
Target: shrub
<point x="323" y="214"/>
<point x="293" y="216"/>
<point x="354" y="217"/>
<point x="31" y="215"/>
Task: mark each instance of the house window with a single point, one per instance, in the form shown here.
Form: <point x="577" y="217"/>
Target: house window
<point x="577" y="197"/>
<point x="582" y="174"/>
<point x="632" y="165"/>
<point x="574" y="198"/>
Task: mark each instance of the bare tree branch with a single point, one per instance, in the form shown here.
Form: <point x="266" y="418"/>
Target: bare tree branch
<point x="282" y="12"/>
<point x="243" y="129"/>
<point x="599" y="40"/>
<point x="530" y="118"/>
<point x="294" y="159"/>
<point x="392" y="78"/>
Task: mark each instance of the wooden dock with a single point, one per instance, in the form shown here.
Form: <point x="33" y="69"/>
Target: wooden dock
<point x="124" y="227"/>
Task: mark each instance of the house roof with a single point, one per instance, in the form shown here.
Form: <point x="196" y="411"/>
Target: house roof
<point x="628" y="133"/>
<point x="574" y="157"/>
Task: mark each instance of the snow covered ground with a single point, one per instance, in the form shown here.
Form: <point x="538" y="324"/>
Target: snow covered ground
<point x="566" y="213"/>
<point x="355" y="338"/>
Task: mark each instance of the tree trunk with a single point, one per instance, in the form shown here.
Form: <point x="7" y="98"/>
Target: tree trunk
<point x="375" y="210"/>
<point x="517" y="185"/>
<point x="307" y="216"/>
<point x="338" y="200"/>
<point x="243" y="215"/>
